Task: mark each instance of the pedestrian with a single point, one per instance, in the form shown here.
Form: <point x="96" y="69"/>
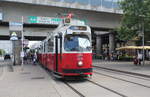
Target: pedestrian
<point x="139" y="58"/>
<point x="135" y="60"/>
<point x="34" y="58"/>
<point x="25" y="58"/>
<point x="149" y="55"/>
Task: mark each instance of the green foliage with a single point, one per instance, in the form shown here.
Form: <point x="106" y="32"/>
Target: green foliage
<point x="125" y="33"/>
<point x="98" y="57"/>
<point x="2" y="52"/>
<point x="136" y="14"/>
<point x="125" y="58"/>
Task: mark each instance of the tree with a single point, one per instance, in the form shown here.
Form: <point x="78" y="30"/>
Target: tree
<point x="136" y="14"/>
<point x="2" y="52"/>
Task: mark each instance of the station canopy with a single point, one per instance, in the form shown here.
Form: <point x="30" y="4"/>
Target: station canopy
<point x="133" y="47"/>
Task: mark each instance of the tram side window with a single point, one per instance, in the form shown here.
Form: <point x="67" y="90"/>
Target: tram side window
<point x="44" y="47"/>
<point x="41" y="49"/>
<point x="50" y="45"/>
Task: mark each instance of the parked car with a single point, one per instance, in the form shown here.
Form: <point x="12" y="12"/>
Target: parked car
<point x="7" y="57"/>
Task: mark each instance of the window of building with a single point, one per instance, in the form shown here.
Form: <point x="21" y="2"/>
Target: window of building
<point x="107" y="3"/>
<point x="96" y="2"/>
<point x="70" y="1"/>
<point x="83" y="1"/>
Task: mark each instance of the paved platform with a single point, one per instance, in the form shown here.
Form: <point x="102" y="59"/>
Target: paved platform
<point x="1" y="58"/>
<point x="124" y="66"/>
<point x="33" y="81"/>
<point x="2" y="64"/>
<point x="1" y="71"/>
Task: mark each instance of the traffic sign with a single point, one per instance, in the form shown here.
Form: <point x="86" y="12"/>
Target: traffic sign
<point x="22" y="54"/>
<point x="44" y="20"/>
<point x="15" y="26"/>
<point x="13" y="38"/>
<point x="25" y="42"/>
<point x="14" y="34"/>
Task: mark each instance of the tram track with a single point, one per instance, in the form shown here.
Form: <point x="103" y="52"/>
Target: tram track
<point x="101" y="86"/>
<point x="123" y="80"/>
<point x="120" y="87"/>
<point x="75" y="90"/>
<point x="66" y="83"/>
<point x="113" y="91"/>
<point x="95" y="83"/>
<point x="138" y="75"/>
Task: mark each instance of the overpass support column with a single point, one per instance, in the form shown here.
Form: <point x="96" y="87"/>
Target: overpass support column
<point x="98" y="45"/>
<point x="111" y="43"/>
<point x="16" y="51"/>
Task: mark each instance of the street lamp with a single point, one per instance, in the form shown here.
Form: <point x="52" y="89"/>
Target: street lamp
<point x="22" y="41"/>
<point x="142" y="34"/>
<point x="143" y="44"/>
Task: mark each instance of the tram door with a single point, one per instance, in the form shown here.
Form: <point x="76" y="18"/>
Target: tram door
<point x="58" y="51"/>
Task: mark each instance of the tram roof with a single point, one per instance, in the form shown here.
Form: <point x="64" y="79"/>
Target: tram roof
<point x="63" y="27"/>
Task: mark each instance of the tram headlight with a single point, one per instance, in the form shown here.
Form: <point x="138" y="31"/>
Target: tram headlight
<point x="80" y="63"/>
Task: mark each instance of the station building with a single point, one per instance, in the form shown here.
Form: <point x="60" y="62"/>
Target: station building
<point x="42" y="16"/>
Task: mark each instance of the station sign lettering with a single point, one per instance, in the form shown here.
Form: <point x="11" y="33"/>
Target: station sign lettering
<point x="52" y="20"/>
<point x="15" y="26"/>
<point x="44" y="20"/>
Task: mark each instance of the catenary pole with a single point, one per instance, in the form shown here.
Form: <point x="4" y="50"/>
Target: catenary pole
<point x="22" y="38"/>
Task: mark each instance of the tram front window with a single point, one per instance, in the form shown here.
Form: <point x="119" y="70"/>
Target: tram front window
<point x="77" y="43"/>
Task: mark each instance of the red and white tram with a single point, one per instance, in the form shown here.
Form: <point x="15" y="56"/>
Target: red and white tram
<point x="67" y="50"/>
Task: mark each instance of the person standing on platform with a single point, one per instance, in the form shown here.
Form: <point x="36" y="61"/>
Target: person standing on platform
<point x="149" y="55"/>
<point x="34" y="58"/>
<point x="139" y="58"/>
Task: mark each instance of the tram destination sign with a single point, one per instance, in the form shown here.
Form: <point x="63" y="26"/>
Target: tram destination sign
<point x="44" y="20"/>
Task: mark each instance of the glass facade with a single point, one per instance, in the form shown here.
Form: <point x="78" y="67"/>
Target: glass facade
<point x="97" y="3"/>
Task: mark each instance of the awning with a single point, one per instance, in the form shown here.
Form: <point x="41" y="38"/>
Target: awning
<point x="145" y="47"/>
<point x="133" y="47"/>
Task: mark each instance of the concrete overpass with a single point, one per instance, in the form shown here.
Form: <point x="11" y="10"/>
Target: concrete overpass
<point x="101" y="20"/>
<point x="13" y="11"/>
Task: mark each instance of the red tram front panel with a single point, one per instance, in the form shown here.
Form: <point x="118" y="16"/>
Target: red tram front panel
<point x="76" y="64"/>
<point x="68" y="64"/>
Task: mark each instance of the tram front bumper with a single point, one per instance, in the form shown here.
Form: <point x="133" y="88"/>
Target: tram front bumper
<point x="85" y="71"/>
